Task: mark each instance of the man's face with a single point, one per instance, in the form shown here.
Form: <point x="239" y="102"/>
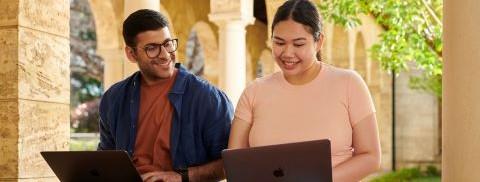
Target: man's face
<point x="154" y="53"/>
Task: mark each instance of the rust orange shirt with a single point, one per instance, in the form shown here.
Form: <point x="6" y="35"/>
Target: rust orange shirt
<point x="152" y="144"/>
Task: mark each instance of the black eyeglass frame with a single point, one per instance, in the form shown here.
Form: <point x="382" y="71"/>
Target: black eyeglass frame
<point x="164" y="44"/>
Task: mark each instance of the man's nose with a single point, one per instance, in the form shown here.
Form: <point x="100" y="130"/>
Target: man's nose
<point x="163" y="53"/>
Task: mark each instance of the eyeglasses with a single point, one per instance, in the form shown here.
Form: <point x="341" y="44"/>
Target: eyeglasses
<point x="153" y="50"/>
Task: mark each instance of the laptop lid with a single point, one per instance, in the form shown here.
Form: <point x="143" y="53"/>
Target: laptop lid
<point x="95" y="166"/>
<point x="303" y="161"/>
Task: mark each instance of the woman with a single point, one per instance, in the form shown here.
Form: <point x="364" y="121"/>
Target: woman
<point x="308" y="99"/>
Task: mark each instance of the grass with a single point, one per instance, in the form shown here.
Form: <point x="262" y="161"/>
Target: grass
<point x="83" y="145"/>
<point x="430" y="174"/>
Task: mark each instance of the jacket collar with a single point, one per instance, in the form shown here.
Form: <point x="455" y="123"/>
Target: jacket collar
<point x="176" y="99"/>
<point x="181" y="80"/>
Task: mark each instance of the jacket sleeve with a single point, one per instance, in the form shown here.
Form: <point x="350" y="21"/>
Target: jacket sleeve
<point x="107" y="141"/>
<point x="217" y="127"/>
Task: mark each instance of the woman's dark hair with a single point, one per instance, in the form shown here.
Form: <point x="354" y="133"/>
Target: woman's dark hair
<point x="141" y="21"/>
<point x="303" y="12"/>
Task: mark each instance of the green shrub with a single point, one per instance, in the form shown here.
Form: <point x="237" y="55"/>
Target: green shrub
<point x="430" y="174"/>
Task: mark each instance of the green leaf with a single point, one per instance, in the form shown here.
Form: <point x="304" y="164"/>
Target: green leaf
<point x="411" y="35"/>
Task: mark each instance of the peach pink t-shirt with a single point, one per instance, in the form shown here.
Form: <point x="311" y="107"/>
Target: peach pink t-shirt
<point x="326" y="108"/>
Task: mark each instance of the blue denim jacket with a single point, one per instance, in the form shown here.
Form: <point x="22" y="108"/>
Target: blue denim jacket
<point x="200" y="123"/>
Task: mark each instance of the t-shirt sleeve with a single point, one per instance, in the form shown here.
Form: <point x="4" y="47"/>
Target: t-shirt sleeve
<point x="244" y="110"/>
<point x="360" y="104"/>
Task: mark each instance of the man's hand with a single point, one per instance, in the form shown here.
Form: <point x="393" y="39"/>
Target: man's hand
<point x="163" y="176"/>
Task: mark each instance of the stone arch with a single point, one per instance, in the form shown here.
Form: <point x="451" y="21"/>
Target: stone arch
<point x="380" y="88"/>
<point x="360" y="58"/>
<point x="109" y="44"/>
<point x="370" y="32"/>
<point x="266" y="62"/>
<point x="209" y="47"/>
<point x="375" y="73"/>
<point x="256" y="39"/>
<point x="184" y="15"/>
<point x="340" y="53"/>
<point x="166" y="14"/>
<point x="250" y="76"/>
<point x="103" y="14"/>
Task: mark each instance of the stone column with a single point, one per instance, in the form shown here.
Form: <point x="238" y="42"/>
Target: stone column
<point x="109" y="45"/>
<point x="461" y="91"/>
<point x="231" y="17"/>
<point x="271" y="7"/>
<point x="34" y="86"/>
<point x="113" y="66"/>
<point x="131" y="6"/>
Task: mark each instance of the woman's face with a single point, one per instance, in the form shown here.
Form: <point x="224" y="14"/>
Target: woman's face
<point x="293" y="47"/>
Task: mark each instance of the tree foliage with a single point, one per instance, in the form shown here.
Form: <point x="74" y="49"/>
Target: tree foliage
<point x="412" y="38"/>
<point x="86" y="69"/>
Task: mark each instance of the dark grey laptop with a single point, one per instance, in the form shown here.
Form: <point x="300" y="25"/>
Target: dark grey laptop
<point x="95" y="166"/>
<point x="303" y="161"/>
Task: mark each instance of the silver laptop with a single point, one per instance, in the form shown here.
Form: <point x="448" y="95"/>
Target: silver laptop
<point x="303" y="161"/>
<point x="92" y="166"/>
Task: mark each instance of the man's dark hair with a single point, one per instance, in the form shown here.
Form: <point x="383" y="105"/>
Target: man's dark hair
<point x="141" y="21"/>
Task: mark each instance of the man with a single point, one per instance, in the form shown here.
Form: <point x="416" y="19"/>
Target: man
<point x="173" y="124"/>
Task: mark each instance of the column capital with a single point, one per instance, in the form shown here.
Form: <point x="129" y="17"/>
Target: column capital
<point x="131" y="6"/>
<point x="225" y="20"/>
<point x="240" y="11"/>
